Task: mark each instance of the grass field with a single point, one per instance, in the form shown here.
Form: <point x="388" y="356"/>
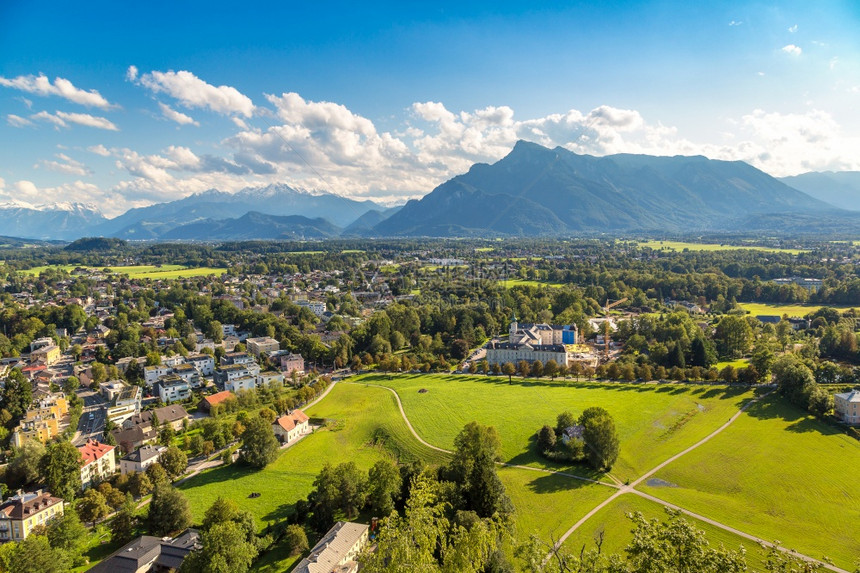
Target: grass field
<point x="661" y="420"/>
<point x="510" y="283"/>
<point x="776" y="473"/>
<point x="617" y="530"/>
<point x="680" y="246"/>
<point x="792" y="310"/>
<point x="740" y="363"/>
<point x="142" y="271"/>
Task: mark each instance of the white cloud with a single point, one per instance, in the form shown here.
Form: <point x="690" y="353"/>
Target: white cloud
<point x="193" y="92"/>
<point x="131" y="73"/>
<point x="793" y="29"/>
<point x="63" y="119"/>
<point x="61" y="87"/>
<point x="99" y="150"/>
<point x="735" y="23"/>
<point x="176" y="116"/>
<point x="792" y="50"/>
<point x="17" y="121"/>
<point x="66" y="165"/>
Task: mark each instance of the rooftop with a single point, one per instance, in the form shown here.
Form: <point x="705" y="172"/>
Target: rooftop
<point x="93" y="450"/>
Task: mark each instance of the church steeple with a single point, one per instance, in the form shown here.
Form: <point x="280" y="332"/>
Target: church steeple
<point x="514" y="326"/>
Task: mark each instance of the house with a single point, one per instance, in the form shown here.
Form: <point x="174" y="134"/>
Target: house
<point x="237" y="358"/>
<point x="172" y="388"/>
<point x="42" y="422"/>
<point x="241" y="383"/>
<point x="47" y="354"/>
<point x="532" y="342"/>
<point x="337" y="550"/>
<point x="267" y="379"/>
<point x="229" y="372"/>
<point x="173" y="415"/>
<point x="291" y="426"/>
<point x="847" y="406"/>
<point x="97" y="462"/>
<point x="151" y="374"/>
<point x="21" y="513"/>
<point x="129" y="439"/>
<point x="206" y="403"/>
<point x="287" y="362"/>
<point x="148" y="553"/>
<point x="140" y="459"/>
<point x="262" y="344"/>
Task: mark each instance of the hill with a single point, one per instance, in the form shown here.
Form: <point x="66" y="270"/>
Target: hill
<point x="539" y="191"/>
<point x="254" y="225"/>
<point x="841" y="189"/>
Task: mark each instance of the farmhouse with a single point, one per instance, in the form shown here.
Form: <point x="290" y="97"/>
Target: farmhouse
<point x="291" y="426"/>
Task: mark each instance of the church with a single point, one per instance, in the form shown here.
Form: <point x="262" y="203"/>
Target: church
<point x="532" y="342"/>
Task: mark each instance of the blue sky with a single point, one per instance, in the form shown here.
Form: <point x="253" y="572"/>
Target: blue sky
<point x="123" y="104"/>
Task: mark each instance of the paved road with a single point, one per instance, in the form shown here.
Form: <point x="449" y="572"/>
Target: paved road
<point x="625" y="489"/>
<point x="96" y="405"/>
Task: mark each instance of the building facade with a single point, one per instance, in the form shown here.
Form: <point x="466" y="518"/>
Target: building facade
<point x="97" y="462"/>
<point x="847" y="407"/>
<point x="21" y="513"/>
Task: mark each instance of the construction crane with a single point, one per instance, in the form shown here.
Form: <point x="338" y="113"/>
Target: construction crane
<point x="606" y="339"/>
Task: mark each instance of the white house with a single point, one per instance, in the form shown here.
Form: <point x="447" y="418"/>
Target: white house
<point x="172" y="388"/>
<point x="337" y="550"/>
<point x="847" y="406"/>
<point x="140" y="459"/>
<point x="291" y="426"/>
<point x="97" y="462"/>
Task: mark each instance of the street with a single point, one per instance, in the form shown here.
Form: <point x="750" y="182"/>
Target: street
<point x="95" y="405"/>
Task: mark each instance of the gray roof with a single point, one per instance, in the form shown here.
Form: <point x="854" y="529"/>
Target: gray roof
<point x="852" y="396"/>
<point x="331" y="549"/>
<point x="144" y="454"/>
<point x="170" y="413"/>
<point x="146" y="551"/>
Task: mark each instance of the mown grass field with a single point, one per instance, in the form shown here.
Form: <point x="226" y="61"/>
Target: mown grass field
<point x="776" y="473"/>
<point x="680" y="246"/>
<point x="617" y="529"/>
<point x="510" y="283"/>
<point x="792" y="310"/>
<point x="660" y="420"/>
<point x="142" y="271"/>
<point x="739" y="363"/>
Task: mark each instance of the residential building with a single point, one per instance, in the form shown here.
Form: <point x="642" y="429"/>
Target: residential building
<point x="318" y="308"/>
<point x="173" y="415"/>
<point x="41" y="343"/>
<point x="47" y="354"/>
<point x="125" y="404"/>
<point x="230" y="372"/>
<point x="228" y="330"/>
<point x="532" y="342"/>
<point x="237" y="358"/>
<point x="21" y="513"/>
<point x="188" y="373"/>
<point x="337" y="550"/>
<point x="847" y="406"/>
<point x="287" y="362"/>
<point x="262" y="344"/>
<point x="266" y="379"/>
<point x="206" y="403"/>
<point x="97" y="462"/>
<point x="172" y="388"/>
<point x="148" y="553"/>
<point x="172" y="361"/>
<point x="140" y="459"/>
<point x="151" y="374"/>
<point x="43" y="422"/>
<point x="131" y="438"/>
<point x="291" y="426"/>
<point x="205" y="363"/>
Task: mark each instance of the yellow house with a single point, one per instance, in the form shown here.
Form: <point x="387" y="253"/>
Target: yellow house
<point x="21" y="513"/>
<point x="46" y="354"/>
<point x="43" y="422"/>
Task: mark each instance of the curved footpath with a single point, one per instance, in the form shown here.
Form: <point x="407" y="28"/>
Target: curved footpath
<point x="623" y="489"/>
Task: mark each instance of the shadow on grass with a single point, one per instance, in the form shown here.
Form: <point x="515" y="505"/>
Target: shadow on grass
<point x="218" y="474"/>
<point x="553" y="483"/>
<point x="800" y="421"/>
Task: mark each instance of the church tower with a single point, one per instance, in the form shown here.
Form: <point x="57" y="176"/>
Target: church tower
<point x="514" y="327"/>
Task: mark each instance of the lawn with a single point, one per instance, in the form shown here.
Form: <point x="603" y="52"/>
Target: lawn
<point x="776" y="473"/>
<point x="510" y="283"/>
<point x="617" y="530"/>
<point x="367" y="427"/>
<point x="680" y="246"/>
<point x="142" y="271"/>
<point x="740" y="363"/>
<point x="792" y="310"/>
<point x="660" y="420"/>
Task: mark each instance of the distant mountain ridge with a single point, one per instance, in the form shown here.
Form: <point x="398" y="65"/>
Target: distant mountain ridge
<point x="839" y="188"/>
<point x="536" y="191"/>
<point x="65" y="221"/>
<point x="255" y="225"/>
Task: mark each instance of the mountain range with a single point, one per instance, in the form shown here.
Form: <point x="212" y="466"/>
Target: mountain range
<point x="533" y="191"/>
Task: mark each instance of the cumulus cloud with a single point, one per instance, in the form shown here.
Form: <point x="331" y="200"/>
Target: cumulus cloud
<point x="65" y="165"/>
<point x="176" y="116"/>
<point x="41" y="85"/>
<point x="99" y="150"/>
<point x="792" y="50"/>
<point x="63" y="119"/>
<point x="131" y="73"/>
<point x="793" y="29"/>
<point x="192" y="92"/>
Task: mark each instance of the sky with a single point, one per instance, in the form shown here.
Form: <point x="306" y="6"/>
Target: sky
<point x="124" y="104"/>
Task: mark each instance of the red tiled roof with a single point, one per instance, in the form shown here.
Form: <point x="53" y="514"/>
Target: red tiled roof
<point x="93" y="450"/>
<point x="218" y="398"/>
<point x="291" y="420"/>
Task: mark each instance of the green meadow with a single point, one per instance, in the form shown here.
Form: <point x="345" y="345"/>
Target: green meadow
<point x="792" y="310"/>
<point x="681" y="245"/>
<point x="660" y="419"/>
<point x="510" y="283"/>
<point x="776" y="473"/>
<point x="162" y="272"/>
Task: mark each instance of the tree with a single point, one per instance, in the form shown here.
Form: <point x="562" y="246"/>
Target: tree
<point x="92" y="506"/>
<point x="546" y="439"/>
<point x="564" y="421"/>
<point x="195" y="444"/>
<point x="225" y="549"/>
<point x="473" y="469"/>
<point x="71" y="384"/>
<point x="550" y="368"/>
<point x="66" y="532"/>
<point x="523" y="368"/>
<point x="17" y="393"/>
<point x="296" y="539"/>
<point x="337" y="489"/>
<point x="24" y="465"/>
<point x="221" y="510"/>
<point x="60" y="467"/>
<point x="36" y="554"/>
<point x="157" y="475"/>
<point x="174" y="461"/>
<point x="139" y="484"/>
<point x="123" y="525"/>
<point x="601" y="439"/>
<point x="537" y="368"/>
<point x="113" y="496"/>
<point x="508" y="369"/>
<point x="168" y="511"/>
<point x="733" y="336"/>
<point x="384" y="484"/>
<point x="259" y="445"/>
